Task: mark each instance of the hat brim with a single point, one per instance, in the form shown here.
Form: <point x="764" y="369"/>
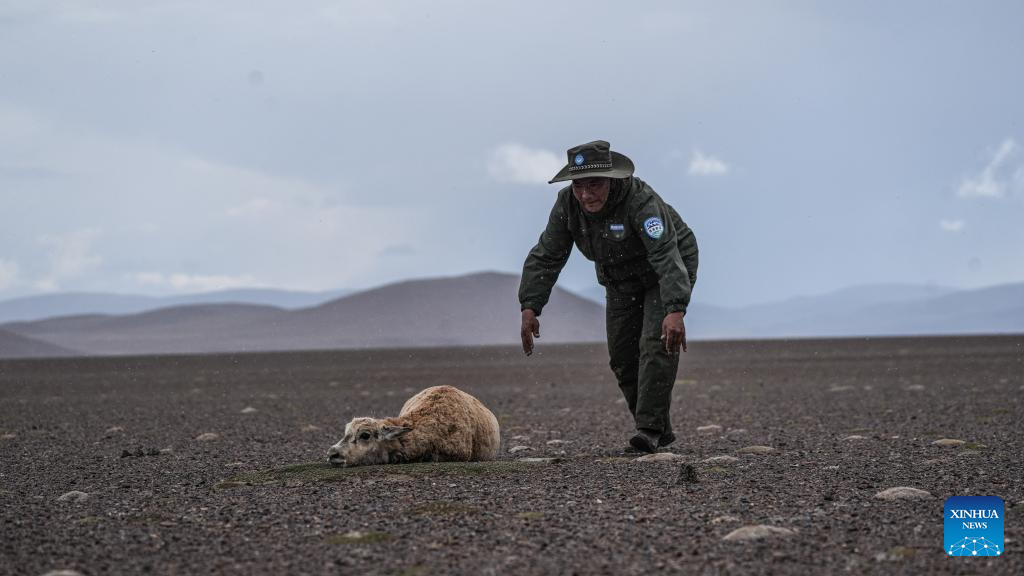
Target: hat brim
<point x="622" y="167"/>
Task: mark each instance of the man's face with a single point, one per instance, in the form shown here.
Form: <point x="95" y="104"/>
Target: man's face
<point x="592" y="193"/>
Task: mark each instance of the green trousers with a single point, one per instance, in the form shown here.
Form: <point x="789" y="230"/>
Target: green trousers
<point x="645" y="372"/>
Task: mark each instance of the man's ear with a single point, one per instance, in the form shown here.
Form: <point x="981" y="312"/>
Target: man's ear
<point x="392" y="432"/>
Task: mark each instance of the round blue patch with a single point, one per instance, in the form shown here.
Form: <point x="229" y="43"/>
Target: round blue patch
<point x="579" y="159"/>
<point x="654" y="227"/>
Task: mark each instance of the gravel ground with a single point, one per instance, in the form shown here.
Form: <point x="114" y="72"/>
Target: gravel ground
<point x="213" y="464"/>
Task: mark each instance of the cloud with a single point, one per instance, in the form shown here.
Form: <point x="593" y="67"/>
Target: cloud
<point x="8" y="273"/>
<point x="148" y="278"/>
<point x="254" y="206"/>
<point x="1003" y="174"/>
<point x="398" y="250"/>
<point x="70" y="255"/>
<point x="516" y="163"/>
<point x="194" y="282"/>
<point x="951" y="225"/>
<point x="164" y="211"/>
<point x="706" y="165"/>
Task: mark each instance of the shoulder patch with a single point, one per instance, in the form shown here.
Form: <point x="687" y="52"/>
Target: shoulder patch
<point x="654" y="227"/>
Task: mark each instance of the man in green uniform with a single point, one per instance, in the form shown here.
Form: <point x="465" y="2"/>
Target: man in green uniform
<point x="646" y="258"/>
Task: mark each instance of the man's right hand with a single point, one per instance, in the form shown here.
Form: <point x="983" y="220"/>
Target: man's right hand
<point x="529" y="330"/>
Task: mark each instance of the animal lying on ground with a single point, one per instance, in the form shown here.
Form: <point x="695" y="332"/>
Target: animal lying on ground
<point x="440" y="424"/>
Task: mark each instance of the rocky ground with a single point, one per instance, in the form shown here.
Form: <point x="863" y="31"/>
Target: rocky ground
<point x="187" y="465"/>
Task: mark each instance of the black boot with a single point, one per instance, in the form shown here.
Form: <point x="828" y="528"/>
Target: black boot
<point x="666" y="439"/>
<point x="645" y="440"/>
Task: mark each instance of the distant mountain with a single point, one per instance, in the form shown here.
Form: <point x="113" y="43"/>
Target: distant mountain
<point x="854" y="295"/>
<point x="179" y="329"/>
<point x="466" y="310"/>
<point x="80" y="303"/>
<point x="16" y="346"/>
<point x="871" y="310"/>
<point x="483" y="309"/>
<point x="881" y="310"/>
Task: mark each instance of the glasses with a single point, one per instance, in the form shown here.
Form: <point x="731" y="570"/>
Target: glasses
<point x="592" y="185"/>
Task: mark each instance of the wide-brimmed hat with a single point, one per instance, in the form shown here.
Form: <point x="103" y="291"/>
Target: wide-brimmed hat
<point x="592" y="160"/>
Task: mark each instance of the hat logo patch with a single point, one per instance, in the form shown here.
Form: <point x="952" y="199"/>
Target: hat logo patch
<point x="654" y="227"/>
<point x="578" y="159"/>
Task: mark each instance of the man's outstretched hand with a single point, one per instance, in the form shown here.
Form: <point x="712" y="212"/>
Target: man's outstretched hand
<point x="529" y="330"/>
<point x="673" y="333"/>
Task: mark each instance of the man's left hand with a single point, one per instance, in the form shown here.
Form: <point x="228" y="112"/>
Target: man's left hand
<point x="673" y="333"/>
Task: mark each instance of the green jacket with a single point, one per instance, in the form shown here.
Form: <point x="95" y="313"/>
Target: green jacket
<point x="635" y="240"/>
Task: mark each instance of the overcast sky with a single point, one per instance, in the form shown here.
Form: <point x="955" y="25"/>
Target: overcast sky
<point x="150" y="147"/>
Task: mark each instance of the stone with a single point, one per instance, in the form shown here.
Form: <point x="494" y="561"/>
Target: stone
<point x="736" y="432"/>
<point x="756" y="450"/>
<point x="915" y="387"/>
<point x="8" y="436"/>
<point x="556" y="442"/>
<point x="310" y="428"/>
<point x="539" y="460"/>
<point x="114" y="429"/>
<point x="63" y="573"/>
<point x="661" y="457"/>
<point x="948" y="442"/>
<point x="516" y="449"/>
<point x="903" y="493"/>
<point x="248" y="410"/>
<point x="687" y="474"/>
<point x="759" y="532"/>
<point x="855" y="437"/>
<point x="208" y="437"/>
<point x="709" y="429"/>
<point x="73" y="496"/>
<point x="721" y="460"/>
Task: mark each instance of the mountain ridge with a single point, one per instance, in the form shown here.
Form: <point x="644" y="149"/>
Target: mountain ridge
<point x="482" y="308"/>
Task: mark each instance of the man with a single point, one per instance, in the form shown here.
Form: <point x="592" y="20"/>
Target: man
<point x="646" y="258"/>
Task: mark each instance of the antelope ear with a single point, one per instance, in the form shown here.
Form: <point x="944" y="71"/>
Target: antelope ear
<point x="392" y="432"/>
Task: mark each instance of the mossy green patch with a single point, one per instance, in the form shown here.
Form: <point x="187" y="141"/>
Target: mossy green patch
<point x="1000" y="410"/>
<point x="860" y="430"/>
<point x="685" y="382"/>
<point x="441" y="508"/>
<point x="85" y="520"/>
<point x="718" y="470"/>
<point x="530" y="515"/>
<point x="358" y="538"/>
<point x="313" y="472"/>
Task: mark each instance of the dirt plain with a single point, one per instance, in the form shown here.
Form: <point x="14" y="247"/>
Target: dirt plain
<point x="257" y="498"/>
